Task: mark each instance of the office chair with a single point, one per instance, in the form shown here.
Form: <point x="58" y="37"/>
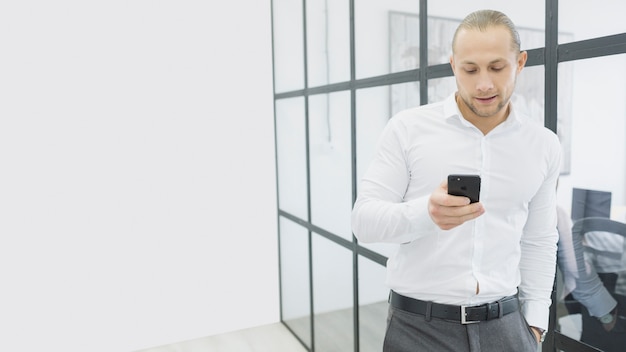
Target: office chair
<point x="590" y="203"/>
<point x="603" y="240"/>
<point x="587" y="203"/>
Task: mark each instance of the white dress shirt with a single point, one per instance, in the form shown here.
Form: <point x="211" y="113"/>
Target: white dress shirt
<point x="513" y="244"/>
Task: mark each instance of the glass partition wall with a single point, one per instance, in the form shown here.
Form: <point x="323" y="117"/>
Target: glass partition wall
<point x="342" y="68"/>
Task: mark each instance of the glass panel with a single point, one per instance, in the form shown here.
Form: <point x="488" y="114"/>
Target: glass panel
<point x="440" y="88"/>
<point x="581" y="302"/>
<point x="443" y="20"/>
<point x="291" y="156"/>
<point x="529" y="94"/>
<point x="373" y="294"/>
<point x="294" y="275"/>
<point x="331" y="169"/>
<point x="288" y="45"/>
<point x="374" y="32"/>
<point x="372" y="113"/>
<point x="584" y="21"/>
<point x="404" y="41"/>
<point x="403" y="96"/>
<point x="332" y="296"/>
<point x="594" y="120"/>
<point x="440" y="33"/>
<point x="328" y="41"/>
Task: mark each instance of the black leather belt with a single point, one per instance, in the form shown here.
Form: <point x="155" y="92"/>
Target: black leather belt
<point x="461" y="314"/>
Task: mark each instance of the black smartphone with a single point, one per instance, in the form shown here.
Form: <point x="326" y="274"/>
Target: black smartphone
<point x="465" y="185"/>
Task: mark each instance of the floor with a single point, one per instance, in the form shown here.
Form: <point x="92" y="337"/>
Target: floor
<point x="334" y="331"/>
<point x="274" y="337"/>
<point x="334" y="334"/>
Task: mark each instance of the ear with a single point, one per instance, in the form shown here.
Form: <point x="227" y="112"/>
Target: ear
<point x="521" y="60"/>
<point x="452" y="64"/>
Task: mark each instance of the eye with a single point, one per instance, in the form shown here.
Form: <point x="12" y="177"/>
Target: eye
<point x="470" y="71"/>
<point x="497" y="69"/>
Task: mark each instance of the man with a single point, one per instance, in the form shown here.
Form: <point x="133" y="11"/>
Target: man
<point x="456" y="276"/>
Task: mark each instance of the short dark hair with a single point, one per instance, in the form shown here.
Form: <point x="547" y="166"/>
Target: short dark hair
<point x="483" y="19"/>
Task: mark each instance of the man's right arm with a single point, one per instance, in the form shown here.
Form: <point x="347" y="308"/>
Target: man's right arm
<point x="380" y="213"/>
<point x="378" y="219"/>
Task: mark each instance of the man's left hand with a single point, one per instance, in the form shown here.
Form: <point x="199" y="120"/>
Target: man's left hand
<point x="537" y="332"/>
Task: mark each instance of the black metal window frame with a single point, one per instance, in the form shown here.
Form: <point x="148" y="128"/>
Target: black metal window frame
<point x="549" y="56"/>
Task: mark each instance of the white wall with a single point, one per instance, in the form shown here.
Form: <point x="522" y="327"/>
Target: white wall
<point x="137" y="187"/>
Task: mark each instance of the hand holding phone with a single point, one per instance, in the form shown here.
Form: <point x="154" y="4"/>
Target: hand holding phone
<point x="465" y="185"/>
<point x="448" y="212"/>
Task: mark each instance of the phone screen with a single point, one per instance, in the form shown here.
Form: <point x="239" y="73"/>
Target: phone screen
<point x="465" y="185"/>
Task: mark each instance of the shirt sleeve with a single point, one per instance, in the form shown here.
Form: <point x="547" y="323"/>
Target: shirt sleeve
<point x="380" y="213"/>
<point x="539" y="245"/>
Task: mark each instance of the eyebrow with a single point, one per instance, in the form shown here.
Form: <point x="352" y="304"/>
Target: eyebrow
<point x="490" y="62"/>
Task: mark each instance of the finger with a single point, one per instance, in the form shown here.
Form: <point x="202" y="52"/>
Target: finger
<point x="444" y="213"/>
<point x="461" y="210"/>
<point x="473" y="214"/>
<point x="441" y="197"/>
<point x="456" y="201"/>
<point x="450" y="217"/>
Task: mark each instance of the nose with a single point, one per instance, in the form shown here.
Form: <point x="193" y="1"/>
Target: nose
<point x="484" y="83"/>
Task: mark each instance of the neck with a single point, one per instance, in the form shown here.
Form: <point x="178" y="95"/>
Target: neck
<point x="484" y="123"/>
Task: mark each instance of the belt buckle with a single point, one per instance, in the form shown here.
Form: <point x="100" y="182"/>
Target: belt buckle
<point x="464" y="316"/>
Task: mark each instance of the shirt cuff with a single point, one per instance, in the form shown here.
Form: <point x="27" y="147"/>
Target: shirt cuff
<point x="421" y="223"/>
<point x="536" y="314"/>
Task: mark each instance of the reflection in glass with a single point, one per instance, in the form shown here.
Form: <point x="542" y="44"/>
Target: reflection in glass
<point x="328" y="41"/>
<point x="585" y="21"/>
<point x="288" y="45"/>
<point x="331" y="169"/>
<point x="529" y="94"/>
<point x="404" y="41"/>
<point x="332" y="296"/>
<point x="598" y="287"/>
<point x="403" y="96"/>
<point x="596" y="127"/>
<point x="440" y="33"/>
<point x="373" y="31"/>
<point x="291" y="156"/>
<point x="294" y="284"/>
<point x="440" y="88"/>
<point x="373" y="294"/>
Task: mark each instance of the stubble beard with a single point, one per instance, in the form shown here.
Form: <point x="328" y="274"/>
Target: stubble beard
<point x="501" y="105"/>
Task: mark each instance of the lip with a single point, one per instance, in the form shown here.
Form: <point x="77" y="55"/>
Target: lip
<point x="486" y="100"/>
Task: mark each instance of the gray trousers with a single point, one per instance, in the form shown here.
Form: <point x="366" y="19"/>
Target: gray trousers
<point x="408" y="332"/>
